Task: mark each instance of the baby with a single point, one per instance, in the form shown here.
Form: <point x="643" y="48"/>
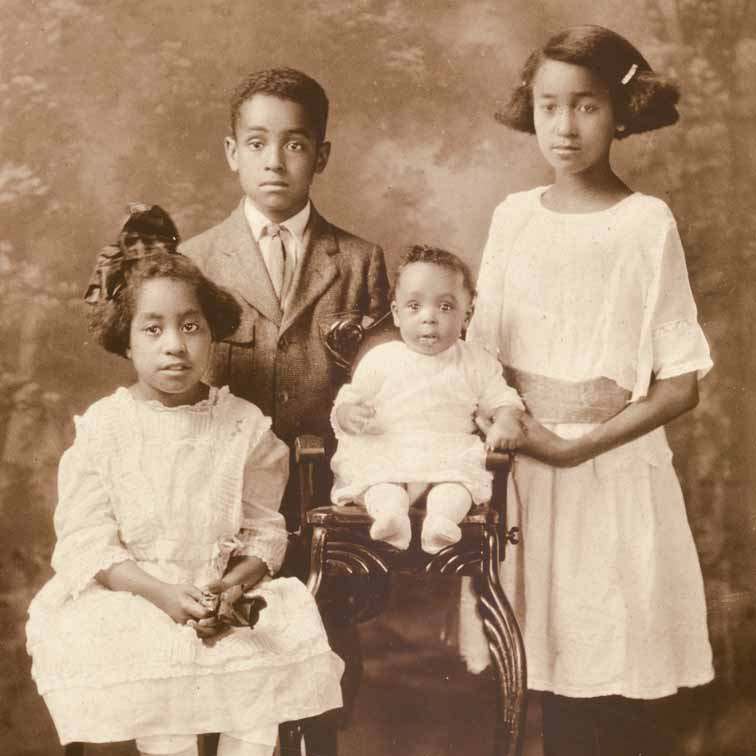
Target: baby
<point x="405" y="424"/>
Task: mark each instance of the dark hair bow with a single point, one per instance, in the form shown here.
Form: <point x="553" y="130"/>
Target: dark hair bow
<point x="148" y="231"/>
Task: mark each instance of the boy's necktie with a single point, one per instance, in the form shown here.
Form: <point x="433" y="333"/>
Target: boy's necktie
<point x="280" y="267"/>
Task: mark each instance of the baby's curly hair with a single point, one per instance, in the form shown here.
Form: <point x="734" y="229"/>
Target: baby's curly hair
<point x="642" y="100"/>
<point x="436" y="256"/>
<point x="110" y="319"/>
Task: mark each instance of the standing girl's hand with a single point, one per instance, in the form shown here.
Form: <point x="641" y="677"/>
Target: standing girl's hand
<point x="505" y="432"/>
<point x="181" y="602"/>
<point x="546" y="446"/>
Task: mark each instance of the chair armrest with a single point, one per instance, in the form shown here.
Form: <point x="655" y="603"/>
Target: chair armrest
<point x="309" y="451"/>
<point x="498" y="462"/>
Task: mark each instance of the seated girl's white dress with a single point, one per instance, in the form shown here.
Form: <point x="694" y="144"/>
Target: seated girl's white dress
<point x="424" y="430"/>
<point x="177" y="490"/>
<point x="606" y="581"/>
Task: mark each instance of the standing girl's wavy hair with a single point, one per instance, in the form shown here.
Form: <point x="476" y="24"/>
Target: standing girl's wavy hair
<point x="642" y="100"/>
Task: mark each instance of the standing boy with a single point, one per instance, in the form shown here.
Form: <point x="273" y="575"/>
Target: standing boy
<point x="293" y="273"/>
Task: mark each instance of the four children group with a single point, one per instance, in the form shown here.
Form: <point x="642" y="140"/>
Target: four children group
<point x="579" y="342"/>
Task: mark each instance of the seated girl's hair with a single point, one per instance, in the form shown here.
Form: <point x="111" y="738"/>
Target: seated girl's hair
<point x="146" y="248"/>
<point x="436" y="256"/>
<point x="642" y="100"/>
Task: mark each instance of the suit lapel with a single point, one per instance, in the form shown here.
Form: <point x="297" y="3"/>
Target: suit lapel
<point x="316" y="270"/>
<point x="245" y="267"/>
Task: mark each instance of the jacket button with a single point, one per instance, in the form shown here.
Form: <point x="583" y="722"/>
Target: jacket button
<point x="283" y="397"/>
<point x="283" y="343"/>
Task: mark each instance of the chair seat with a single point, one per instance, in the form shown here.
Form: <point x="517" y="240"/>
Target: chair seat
<point x="353" y="514"/>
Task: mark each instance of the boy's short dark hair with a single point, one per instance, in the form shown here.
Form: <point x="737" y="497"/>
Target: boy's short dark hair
<point x="421" y="253"/>
<point x="110" y="319"/>
<point x="644" y="102"/>
<point x="286" y="84"/>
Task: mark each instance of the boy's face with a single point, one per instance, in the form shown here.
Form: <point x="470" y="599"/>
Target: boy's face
<point x="431" y="307"/>
<point x="276" y="153"/>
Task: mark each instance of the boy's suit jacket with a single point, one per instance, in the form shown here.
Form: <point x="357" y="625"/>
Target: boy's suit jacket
<point x="276" y="359"/>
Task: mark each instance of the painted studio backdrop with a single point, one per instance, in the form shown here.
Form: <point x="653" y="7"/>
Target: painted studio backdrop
<point x="110" y="101"/>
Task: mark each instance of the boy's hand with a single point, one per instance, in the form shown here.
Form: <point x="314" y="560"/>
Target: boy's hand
<point x="506" y="431"/>
<point x="356" y="418"/>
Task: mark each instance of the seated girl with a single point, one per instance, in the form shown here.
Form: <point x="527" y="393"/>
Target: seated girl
<point x="405" y="423"/>
<point x="168" y="498"/>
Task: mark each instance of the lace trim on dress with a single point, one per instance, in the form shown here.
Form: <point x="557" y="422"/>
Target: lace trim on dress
<point x="673" y="326"/>
<point x="213" y="398"/>
<point x="85" y="575"/>
<point x="265" y="545"/>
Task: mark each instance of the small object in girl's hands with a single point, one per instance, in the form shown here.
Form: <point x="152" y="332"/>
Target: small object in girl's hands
<point x="244" y="612"/>
<point x="256" y="605"/>
<point x="210" y="601"/>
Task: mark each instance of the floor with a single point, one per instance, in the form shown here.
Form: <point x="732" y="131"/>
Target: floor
<point x="417" y="697"/>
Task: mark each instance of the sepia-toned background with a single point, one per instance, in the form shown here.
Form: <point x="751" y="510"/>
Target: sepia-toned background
<point x="103" y="102"/>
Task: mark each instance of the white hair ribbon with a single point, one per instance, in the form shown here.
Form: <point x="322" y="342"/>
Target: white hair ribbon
<point x="630" y="73"/>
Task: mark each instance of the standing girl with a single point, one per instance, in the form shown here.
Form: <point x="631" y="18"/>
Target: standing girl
<point x="167" y="498"/>
<point x="584" y="292"/>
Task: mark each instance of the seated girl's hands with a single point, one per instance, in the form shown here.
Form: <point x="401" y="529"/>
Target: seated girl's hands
<point x="182" y="602"/>
<point x="356" y="418"/>
<point x="505" y="432"/>
<point x="242" y="574"/>
<point x="242" y="571"/>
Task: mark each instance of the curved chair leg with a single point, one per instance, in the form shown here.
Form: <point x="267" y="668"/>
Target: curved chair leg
<point x="507" y="650"/>
<point x="352" y="561"/>
<point x="317" y="560"/>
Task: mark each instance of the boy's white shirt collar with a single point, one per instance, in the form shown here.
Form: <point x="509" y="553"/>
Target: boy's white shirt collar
<point x="296" y="225"/>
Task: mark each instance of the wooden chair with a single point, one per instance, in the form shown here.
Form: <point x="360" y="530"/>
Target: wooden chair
<point x="340" y="545"/>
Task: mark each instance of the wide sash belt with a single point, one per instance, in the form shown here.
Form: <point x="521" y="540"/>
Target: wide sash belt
<point x="551" y="400"/>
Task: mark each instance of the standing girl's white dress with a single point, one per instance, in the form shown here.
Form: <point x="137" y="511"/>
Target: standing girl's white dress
<point x="606" y="582"/>
<point x="178" y="490"/>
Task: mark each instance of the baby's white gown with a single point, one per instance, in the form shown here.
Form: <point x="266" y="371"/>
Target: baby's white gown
<point x="606" y="581"/>
<point x="178" y="490"/>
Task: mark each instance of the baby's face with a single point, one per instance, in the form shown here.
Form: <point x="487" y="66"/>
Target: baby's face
<point x="431" y="307"/>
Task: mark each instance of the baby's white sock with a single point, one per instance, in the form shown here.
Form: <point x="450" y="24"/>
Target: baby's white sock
<point x="388" y="505"/>
<point x="448" y="503"/>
